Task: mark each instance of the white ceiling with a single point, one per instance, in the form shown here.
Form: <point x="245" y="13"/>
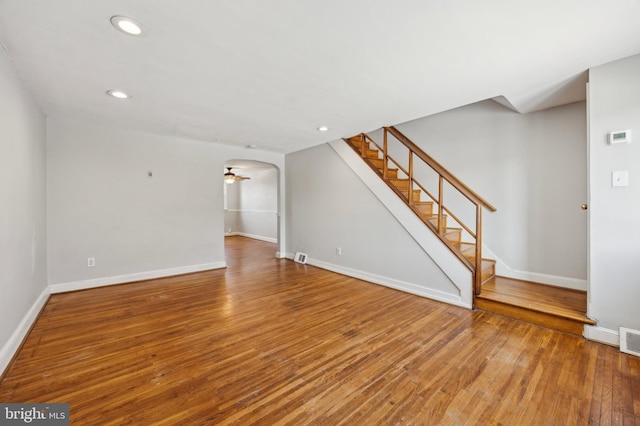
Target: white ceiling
<point x="269" y="72"/>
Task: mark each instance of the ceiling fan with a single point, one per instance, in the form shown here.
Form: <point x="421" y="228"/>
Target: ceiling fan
<point x="231" y="177"/>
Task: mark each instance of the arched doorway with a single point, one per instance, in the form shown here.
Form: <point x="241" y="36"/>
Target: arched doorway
<point x="251" y="204"/>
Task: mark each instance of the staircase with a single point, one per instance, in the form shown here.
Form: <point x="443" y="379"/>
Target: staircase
<point x="402" y="164"/>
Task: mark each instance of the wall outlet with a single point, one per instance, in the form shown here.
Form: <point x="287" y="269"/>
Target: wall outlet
<point x="338" y="251"/>
<point x="91" y="262"/>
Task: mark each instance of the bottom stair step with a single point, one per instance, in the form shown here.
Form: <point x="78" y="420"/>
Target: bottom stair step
<point x="553" y="307"/>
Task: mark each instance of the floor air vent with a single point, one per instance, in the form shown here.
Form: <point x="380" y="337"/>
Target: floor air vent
<point x="302" y="258"/>
<point x="630" y="341"/>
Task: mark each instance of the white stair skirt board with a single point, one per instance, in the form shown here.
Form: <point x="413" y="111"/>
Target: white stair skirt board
<point x="8" y="351"/>
<point x="459" y="274"/>
<point x="139" y="276"/>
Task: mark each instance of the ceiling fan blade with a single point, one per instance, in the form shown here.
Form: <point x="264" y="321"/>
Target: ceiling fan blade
<point x="234" y="177"/>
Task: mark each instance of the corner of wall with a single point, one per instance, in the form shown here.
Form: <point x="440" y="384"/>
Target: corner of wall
<point x="9" y="350"/>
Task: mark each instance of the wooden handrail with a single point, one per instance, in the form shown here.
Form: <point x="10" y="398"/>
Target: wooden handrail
<point x="446" y="174"/>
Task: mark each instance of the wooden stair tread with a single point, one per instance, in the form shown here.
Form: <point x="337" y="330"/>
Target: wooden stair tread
<point x="452" y="234"/>
<point x="405" y="193"/>
<point x="487" y="263"/>
<point x="556" y="301"/>
<point x="377" y="162"/>
<point x="371" y="153"/>
<point x="391" y="173"/>
<point x="400" y="183"/>
<point x="468" y="250"/>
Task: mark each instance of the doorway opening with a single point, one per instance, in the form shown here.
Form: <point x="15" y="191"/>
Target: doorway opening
<point x="251" y="201"/>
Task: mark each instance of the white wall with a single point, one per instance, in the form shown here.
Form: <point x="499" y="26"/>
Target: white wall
<point x="231" y="207"/>
<point x="532" y="168"/>
<point x="257" y="204"/>
<point x="23" y="272"/>
<point x="614" y="104"/>
<point x="102" y="204"/>
<point x="330" y="207"/>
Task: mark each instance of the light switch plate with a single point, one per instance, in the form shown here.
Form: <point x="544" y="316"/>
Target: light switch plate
<point x="620" y="178"/>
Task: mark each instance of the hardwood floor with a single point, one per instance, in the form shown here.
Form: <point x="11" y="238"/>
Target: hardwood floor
<point x="269" y="341"/>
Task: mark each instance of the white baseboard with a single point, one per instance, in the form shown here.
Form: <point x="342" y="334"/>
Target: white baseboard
<point x="255" y="237"/>
<point x="554" y="280"/>
<point x="602" y="335"/>
<point x="504" y="270"/>
<point x="388" y="282"/>
<point x="121" y="279"/>
<point x="13" y="344"/>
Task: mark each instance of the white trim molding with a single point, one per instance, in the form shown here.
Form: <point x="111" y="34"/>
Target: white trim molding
<point x="407" y="287"/>
<point x="503" y="270"/>
<point x="9" y="350"/>
<point x="275" y="212"/>
<point x="602" y="335"/>
<point x="255" y="237"/>
<point x="139" y="276"/>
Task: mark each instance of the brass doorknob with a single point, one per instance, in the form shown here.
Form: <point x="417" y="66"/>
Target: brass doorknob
<point x="584" y="206"/>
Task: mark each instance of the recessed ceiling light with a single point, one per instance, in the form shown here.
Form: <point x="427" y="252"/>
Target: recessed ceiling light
<point x="128" y="25"/>
<point x="118" y="94"/>
<point x="323" y="128"/>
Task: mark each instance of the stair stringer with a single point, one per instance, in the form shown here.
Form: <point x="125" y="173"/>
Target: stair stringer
<point x="452" y="267"/>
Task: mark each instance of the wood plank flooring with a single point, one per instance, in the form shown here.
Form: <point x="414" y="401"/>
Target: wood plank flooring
<point x="272" y="342"/>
